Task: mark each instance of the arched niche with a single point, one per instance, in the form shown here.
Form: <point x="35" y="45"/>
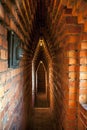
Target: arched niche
<point x="41" y="78"/>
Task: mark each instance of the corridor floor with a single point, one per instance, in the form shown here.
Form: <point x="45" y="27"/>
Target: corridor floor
<point x="42" y="116"/>
<point x="41" y="100"/>
<point x="42" y="120"/>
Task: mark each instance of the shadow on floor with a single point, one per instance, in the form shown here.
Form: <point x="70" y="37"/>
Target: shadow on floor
<point x="42" y="119"/>
<point x="41" y="101"/>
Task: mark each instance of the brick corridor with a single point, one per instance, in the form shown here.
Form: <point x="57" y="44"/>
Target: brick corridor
<point x="41" y="117"/>
<point x="53" y="34"/>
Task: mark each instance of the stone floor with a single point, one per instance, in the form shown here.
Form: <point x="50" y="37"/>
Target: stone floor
<point x="42" y="120"/>
<point x="41" y="100"/>
<point x="41" y="117"/>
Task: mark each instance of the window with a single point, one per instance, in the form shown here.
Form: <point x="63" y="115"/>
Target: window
<point x="14" y="50"/>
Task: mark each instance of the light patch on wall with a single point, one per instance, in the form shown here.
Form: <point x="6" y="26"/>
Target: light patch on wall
<point x="41" y="42"/>
<point x="41" y="62"/>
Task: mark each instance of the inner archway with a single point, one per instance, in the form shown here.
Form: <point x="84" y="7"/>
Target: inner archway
<point x="41" y="86"/>
<point x="41" y="67"/>
<point x="41" y="78"/>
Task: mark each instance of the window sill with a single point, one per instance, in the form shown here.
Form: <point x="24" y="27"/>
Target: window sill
<point x="84" y="106"/>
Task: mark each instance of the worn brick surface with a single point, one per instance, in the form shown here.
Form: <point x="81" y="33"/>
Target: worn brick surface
<point x="66" y="34"/>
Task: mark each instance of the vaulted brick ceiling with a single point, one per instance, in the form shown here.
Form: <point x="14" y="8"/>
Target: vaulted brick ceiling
<point x="32" y="17"/>
<point x="36" y="18"/>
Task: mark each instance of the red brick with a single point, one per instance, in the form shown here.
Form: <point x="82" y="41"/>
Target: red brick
<point x="1" y="91"/>
<point x="85" y="26"/>
<point x="10" y="93"/>
<point x="72" y="90"/>
<point x="73" y="68"/>
<point x="3" y="66"/>
<point x="83" y="60"/>
<point x="71" y="46"/>
<point x="84" y="45"/>
<point x="73" y="39"/>
<point x="83" y="68"/>
<point x="72" y="54"/>
<point x="72" y="61"/>
<point x="4" y="101"/>
<point x="2" y="78"/>
<point x="81" y="125"/>
<point x="8" y="76"/>
<point x="7" y="87"/>
<point x="71" y="116"/>
<point x="71" y="125"/>
<point x="72" y="29"/>
<point x="1" y="29"/>
<point x="72" y="96"/>
<point x="72" y="104"/>
<point x="83" y="84"/>
<point x="72" y="84"/>
<point x="1" y="113"/>
<point x="68" y="11"/>
<point x="1" y="41"/>
<point x="84" y="36"/>
<point x="72" y="75"/>
<point x="71" y="19"/>
<point x="5" y="44"/>
<point x="83" y="75"/>
<point x="1" y="12"/>
<point x="83" y="53"/>
<point x="72" y="110"/>
<point x="83" y="91"/>
<point x="3" y="54"/>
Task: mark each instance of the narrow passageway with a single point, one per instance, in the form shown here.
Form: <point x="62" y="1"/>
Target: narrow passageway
<point x="43" y="64"/>
<point x="41" y="118"/>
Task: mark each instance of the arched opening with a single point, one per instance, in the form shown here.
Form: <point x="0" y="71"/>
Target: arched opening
<point x="41" y="78"/>
<point x="41" y="67"/>
<point x="41" y="99"/>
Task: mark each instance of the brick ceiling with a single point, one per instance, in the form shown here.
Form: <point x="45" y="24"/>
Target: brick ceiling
<point x="37" y="18"/>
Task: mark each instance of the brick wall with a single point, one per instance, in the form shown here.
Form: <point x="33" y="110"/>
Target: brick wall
<point x="68" y="27"/>
<point x="10" y="85"/>
<point x="11" y="81"/>
<point x="66" y="34"/>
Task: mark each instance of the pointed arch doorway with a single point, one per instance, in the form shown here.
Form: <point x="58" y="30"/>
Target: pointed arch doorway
<point x="41" y="86"/>
<point x="41" y="67"/>
<point x="41" y="78"/>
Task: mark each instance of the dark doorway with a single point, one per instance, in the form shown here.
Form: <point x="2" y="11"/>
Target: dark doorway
<point x="41" y="80"/>
<point x="41" y="89"/>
